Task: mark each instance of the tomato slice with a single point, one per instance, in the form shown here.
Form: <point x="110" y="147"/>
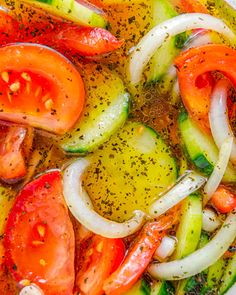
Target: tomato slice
<point x="39" y="237"/>
<point x="99" y="258"/>
<point x="140" y="254"/>
<point x="39" y="87"/>
<point x="15" y="145"/>
<point x="224" y="200"/>
<point x="193" y="69"/>
<point x="87" y="41"/>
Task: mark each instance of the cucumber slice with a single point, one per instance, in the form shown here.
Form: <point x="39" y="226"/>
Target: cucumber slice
<point x="215" y="273"/>
<point x="229" y="277"/>
<point x="129" y="171"/>
<point x="162" y="288"/>
<point x="194" y="285"/>
<point x="163" y="57"/>
<point x="140" y="288"/>
<point x="105" y="112"/>
<point x="83" y="14"/>
<point x="201" y="148"/>
<point x="189" y="229"/>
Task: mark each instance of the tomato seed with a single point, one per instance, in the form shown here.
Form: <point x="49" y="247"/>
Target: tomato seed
<point x="5" y="76"/>
<point x="15" y="86"/>
<point x="26" y="76"/>
<point x="41" y="231"/>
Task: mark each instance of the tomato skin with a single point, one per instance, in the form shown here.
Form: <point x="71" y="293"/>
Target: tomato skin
<point x="224" y="200"/>
<point x="139" y="255"/>
<point x="39" y="237"/>
<point x="196" y="62"/>
<point x="99" y="257"/>
<point x="42" y="94"/>
<point x="88" y="41"/>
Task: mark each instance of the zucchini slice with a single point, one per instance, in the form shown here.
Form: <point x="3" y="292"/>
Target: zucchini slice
<point x="129" y="171"/>
<point x="82" y="13"/>
<point x="201" y="148"/>
<point x="106" y="110"/>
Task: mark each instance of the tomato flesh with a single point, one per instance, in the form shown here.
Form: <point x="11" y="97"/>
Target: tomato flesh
<point x="224" y="200"/>
<point x="99" y="257"/>
<point x="39" y="237"/>
<point x="39" y="87"/>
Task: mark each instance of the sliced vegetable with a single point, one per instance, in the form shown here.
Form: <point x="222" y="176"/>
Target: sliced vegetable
<point x="162" y="288"/>
<point x="166" y="248"/>
<point x="39" y="237"/>
<point x="219" y="169"/>
<point x="101" y="258"/>
<point x="214" y="275"/>
<point x="186" y="185"/>
<point x="229" y="276"/>
<point x="106" y="110"/>
<point x="194" y="284"/>
<point x="189" y="229"/>
<point x="38" y="92"/>
<point x="81" y="206"/>
<point x="162" y="10"/>
<point x="138" y="257"/>
<point x="191" y="66"/>
<point x="200" y="259"/>
<point x="6" y="202"/>
<point x="88" y="41"/>
<point x="129" y="172"/>
<point x="224" y="200"/>
<point x="80" y="12"/>
<point x="140" y="288"/>
<point x="210" y="220"/>
<point x="161" y="34"/>
<point x="12" y="159"/>
<point x="32" y="289"/>
<point x="218" y="116"/>
<point x="201" y="148"/>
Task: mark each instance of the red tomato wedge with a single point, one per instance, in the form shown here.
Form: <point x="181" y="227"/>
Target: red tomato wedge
<point x="224" y="200"/>
<point x="99" y="258"/>
<point x="88" y="41"/>
<point x="39" y="237"/>
<point x="39" y="87"/>
<point x="193" y="69"/>
<point x="139" y="256"/>
<point x="12" y="160"/>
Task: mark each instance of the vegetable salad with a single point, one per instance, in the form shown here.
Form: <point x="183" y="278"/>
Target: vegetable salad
<point x="117" y="147"/>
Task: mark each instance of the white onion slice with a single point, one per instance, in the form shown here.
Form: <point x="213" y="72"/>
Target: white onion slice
<point x="32" y="289"/>
<point x="186" y="185"/>
<point x="219" y="169"/>
<point x="81" y="206"/>
<point x="166" y="248"/>
<point x="200" y="259"/>
<point x="210" y="220"/>
<point x="218" y="116"/>
<point x="164" y="31"/>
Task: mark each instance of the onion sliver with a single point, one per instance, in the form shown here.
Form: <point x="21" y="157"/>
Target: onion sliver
<point x="166" y="247"/>
<point x="164" y="31"/>
<point x="81" y="207"/>
<point x="200" y="259"/>
<point x="218" y="116"/>
<point x="210" y="220"/>
<point x="186" y="185"/>
<point x="31" y="289"/>
<point x="219" y="169"/>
